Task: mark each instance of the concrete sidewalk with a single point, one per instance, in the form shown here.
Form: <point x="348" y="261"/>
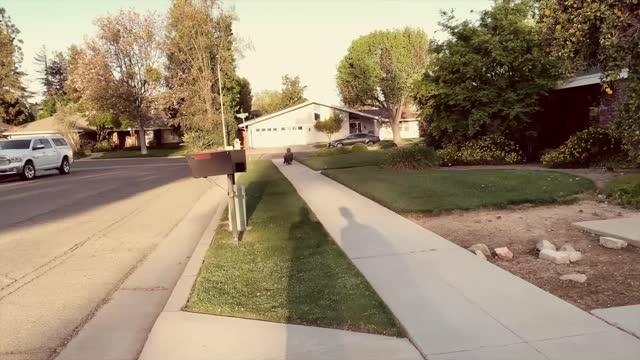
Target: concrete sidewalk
<point x="453" y="304"/>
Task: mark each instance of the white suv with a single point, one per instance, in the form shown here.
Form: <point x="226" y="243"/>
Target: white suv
<point x="27" y="155"/>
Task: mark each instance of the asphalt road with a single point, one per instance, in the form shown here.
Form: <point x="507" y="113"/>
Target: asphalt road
<point x="66" y="242"/>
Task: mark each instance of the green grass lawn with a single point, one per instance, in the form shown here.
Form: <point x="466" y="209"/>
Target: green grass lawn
<point x="122" y="154"/>
<point x="286" y="269"/>
<point x="355" y="159"/>
<point x="625" y="190"/>
<point x="441" y="190"/>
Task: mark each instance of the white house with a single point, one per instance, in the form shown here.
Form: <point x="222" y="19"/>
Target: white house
<point x="294" y="125"/>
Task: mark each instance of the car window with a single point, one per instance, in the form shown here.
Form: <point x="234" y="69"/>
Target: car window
<point x="45" y="142"/>
<point x="350" y="137"/>
<point x="361" y="136"/>
<point x="15" y="144"/>
<point x="59" y="141"/>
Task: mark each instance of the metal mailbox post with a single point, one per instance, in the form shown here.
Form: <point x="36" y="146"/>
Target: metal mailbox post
<point x="227" y="162"/>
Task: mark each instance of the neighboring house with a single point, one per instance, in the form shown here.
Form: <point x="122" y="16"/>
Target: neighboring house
<point x="50" y="125"/>
<point x="5" y="128"/>
<point x="294" y="125"/>
<point x="409" y="124"/>
<point x="574" y="106"/>
<point x="156" y="132"/>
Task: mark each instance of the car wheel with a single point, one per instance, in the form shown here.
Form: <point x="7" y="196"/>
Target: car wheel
<point x="339" y="145"/>
<point x="28" y="171"/>
<point x="65" y="167"/>
<point x="369" y="143"/>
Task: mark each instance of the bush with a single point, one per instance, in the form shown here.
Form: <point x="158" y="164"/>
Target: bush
<point x="325" y="152"/>
<point x="86" y="145"/>
<point x="411" y="158"/>
<point x="359" y="147"/>
<point x="593" y="146"/>
<point x="387" y="144"/>
<point x="103" y="146"/>
<point x="343" y="150"/>
<point x="625" y="190"/>
<point x="199" y="141"/>
<point x="488" y="150"/>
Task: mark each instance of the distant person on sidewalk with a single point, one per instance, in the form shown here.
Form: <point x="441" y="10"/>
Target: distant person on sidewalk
<point x="288" y="157"/>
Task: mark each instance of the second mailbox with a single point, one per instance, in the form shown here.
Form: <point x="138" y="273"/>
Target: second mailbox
<point x="215" y="163"/>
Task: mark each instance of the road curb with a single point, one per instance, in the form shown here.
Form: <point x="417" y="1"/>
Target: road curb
<point x="181" y="292"/>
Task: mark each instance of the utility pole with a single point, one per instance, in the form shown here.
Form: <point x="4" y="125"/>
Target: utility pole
<point x="224" y="127"/>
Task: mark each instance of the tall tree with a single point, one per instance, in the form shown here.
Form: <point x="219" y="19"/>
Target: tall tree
<point x="291" y="94"/>
<point x="245" y="99"/>
<point x="488" y="76"/>
<point x="126" y="54"/>
<point x="603" y="33"/>
<point x="380" y="69"/>
<point x="13" y="105"/>
<point x="41" y="60"/>
<point x="200" y="38"/>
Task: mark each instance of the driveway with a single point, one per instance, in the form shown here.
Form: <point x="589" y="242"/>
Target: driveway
<point x="67" y="242"/>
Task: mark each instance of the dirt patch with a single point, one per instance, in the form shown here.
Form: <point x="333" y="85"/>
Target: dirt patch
<point x="613" y="275"/>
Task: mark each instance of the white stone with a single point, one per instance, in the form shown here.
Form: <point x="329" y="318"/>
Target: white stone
<point x="612" y="243"/>
<point x="574" y="277"/>
<point x="480" y="254"/>
<point x="482" y="247"/>
<point x="574" y="255"/>
<point x="504" y="253"/>
<point x="567" y="248"/>
<point x="556" y="257"/>
<point x="545" y="244"/>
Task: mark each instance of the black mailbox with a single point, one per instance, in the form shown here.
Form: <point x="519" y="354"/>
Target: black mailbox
<point x="214" y="163"/>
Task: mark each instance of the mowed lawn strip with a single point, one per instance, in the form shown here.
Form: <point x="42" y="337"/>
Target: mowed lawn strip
<point x="355" y="159"/>
<point x="440" y="190"/>
<point x="287" y="268"/>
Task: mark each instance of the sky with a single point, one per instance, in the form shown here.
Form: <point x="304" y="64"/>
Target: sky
<point x="298" y="37"/>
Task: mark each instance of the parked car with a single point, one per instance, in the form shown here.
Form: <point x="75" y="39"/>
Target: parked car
<point x="357" y="138"/>
<point x="26" y="156"/>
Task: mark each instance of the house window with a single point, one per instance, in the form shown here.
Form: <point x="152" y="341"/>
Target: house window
<point x="316" y="116"/>
<point x="283" y="129"/>
<point x="275" y="129"/>
<point x="299" y="127"/>
<point x="269" y="129"/>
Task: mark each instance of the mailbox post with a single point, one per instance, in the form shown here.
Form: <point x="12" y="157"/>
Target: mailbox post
<point x="228" y="162"/>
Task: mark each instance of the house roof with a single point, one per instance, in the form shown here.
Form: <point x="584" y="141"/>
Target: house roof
<point x="588" y="77"/>
<point x="6" y="127"/>
<point x="49" y="125"/>
<point x="300" y="106"/>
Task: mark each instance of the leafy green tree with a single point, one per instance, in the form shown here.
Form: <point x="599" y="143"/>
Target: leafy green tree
<point x="330" y="125"/>
<point x="603" y="33"/>
<point x="104" y="122"/>
<point x="488" y="76"/>
<point x="199" y="39"/>
<point x="291" y="94"/>
<point x="245" y="98"/>
<point x="14" y="108"/>
<point x="380" y="69"/>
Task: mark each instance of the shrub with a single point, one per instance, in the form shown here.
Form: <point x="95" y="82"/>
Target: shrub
<point x="343" y="150"/>
<point x="103" y="146"/>
<point x="488" y="150"/>
<point x="359" y="147"/>
<point x="387" y="144"/>
<point x="199" y="141"/>
<point x="625" y="190"/>
<point x="85" y="145"/>
<point x="592" y="146"/>
<point x="325" y="152"/>
<point x="411" y="158"/>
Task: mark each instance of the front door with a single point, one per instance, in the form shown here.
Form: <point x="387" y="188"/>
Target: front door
<point x="355" y="127"/>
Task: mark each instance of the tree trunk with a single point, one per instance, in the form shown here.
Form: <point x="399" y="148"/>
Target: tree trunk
<point x="142" y="139"/>
<point x="395" y="124"/>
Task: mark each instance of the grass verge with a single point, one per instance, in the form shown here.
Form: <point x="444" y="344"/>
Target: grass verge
<point x="625" y="190"/>
<point x="286" y="269"/>
<point x="442" y="190"/>
<point x="123" y="154"/>
<point x="354" y="159"/>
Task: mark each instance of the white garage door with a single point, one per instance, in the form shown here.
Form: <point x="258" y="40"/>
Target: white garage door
<point x="270" y="136"/>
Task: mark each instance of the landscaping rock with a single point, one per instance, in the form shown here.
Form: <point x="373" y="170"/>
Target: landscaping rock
<point x="571" y="251"/>
<point x="574" y="277"/>
<point x="567" y="248"/>
<point x="503" y="253"/>
<point x="480" y="254"/>
<point x="555" y="257"/>
<point x="545" y="244"/>
<point x="612" y="243"/>
<point x="482" y="247"/>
